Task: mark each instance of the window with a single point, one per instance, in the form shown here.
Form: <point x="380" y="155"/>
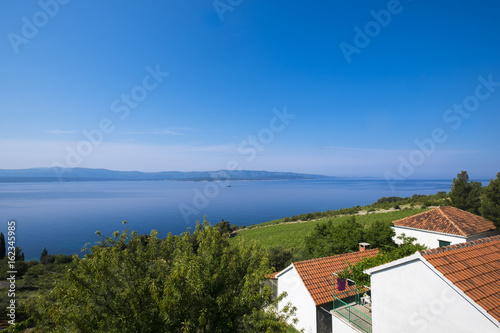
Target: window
<point x="443" y="243"/>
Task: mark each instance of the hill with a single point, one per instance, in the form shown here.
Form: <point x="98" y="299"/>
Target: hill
<point x="292" y="235"/>
<point x="84" y="174"/>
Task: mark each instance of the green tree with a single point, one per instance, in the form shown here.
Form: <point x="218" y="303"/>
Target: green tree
<point x="19" y="254"/>
<point x="3" y="248"/>
<point x="279" y="257"/>
<point x="329" y="238"/>
<point x="224" y="227"/>
<point x="357" y="272"/>
<point x="170" y="285"/>
<point x="379" y="234"/>
<point x="490" y="203"/>
<point x="44" y="255"/>
<point x="465" y="194"/>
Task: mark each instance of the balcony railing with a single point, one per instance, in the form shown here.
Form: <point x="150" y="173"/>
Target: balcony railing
<point x="354" y="316"/>
<point x="352" y="311"/>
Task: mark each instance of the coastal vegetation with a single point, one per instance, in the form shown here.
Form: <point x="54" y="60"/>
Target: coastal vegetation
<point x="323" y="237"/>
<point x="210" y="279"/>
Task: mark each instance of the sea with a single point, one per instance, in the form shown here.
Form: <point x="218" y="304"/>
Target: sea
<point x="64" y="216"/>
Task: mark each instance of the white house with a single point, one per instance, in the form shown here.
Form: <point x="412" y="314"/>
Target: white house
<point x="309" y="285"/>
<point x="444" y="226"/>
<point x="448" y="289"/>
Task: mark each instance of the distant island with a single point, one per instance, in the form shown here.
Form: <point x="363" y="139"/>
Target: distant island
<point x="57" y="174"/>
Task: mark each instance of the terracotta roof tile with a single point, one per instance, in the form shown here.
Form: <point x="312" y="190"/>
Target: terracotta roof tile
<point x="449" y="220"/>
<point x="474" y="268"/>
<point x="317" y="274"/>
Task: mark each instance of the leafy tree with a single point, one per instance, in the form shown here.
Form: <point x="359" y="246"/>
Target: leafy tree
<point x="3" y="248"/>
<point x="379" y="234"/>
<point x="490" y="203"/>
<point x="356" y="272"/>
<point x="225" y="227"/>
<point x="170" y="285"/>
<point x="465" y="194"/>
<point x="279" y="257"/>
<point x="330" y="238"/>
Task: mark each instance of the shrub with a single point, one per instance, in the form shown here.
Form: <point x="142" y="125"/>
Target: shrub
<point x="63" y="259"/>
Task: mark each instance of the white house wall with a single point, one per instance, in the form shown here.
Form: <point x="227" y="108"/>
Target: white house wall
<point x="413" y="298"/>
<point x="298" y="295"/>
<point x="341" y="326"/>
<point x="428" y="238"/>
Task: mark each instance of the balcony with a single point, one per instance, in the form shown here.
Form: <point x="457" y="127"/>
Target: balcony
<point x="352" y="307"/>
<point x="356" y="314"/>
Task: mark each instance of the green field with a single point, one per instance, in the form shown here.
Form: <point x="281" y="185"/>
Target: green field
<point x="292" y="235"/>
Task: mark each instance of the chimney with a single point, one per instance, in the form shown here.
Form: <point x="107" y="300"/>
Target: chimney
<point x="364" y="246"/>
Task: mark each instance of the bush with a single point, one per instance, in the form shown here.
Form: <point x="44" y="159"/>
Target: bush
<point x="48" y="259"/>
<point x="63" y="259"/>
<point x="279" y="257"/>
<point x="389" y="199"/>
<point x="427" y="204"/>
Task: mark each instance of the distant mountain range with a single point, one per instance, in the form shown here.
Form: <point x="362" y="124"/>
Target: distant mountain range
<point x="83" y="174"/>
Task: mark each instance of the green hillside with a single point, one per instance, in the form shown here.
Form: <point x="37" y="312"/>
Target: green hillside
<point x="292" y="235"/>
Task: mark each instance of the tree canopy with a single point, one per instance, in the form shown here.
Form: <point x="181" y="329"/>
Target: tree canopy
<point x="466" y="194"/>
<point x="130" y="283"/>
<point x="331" y="238"/>
<point x="490" y="201"/>
<point x="406" y="248"/>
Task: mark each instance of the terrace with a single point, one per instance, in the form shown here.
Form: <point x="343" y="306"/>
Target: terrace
<point x="353" y="304"/>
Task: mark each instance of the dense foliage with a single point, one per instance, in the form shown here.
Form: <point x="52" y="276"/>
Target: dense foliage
<point x="279" y="257"/>
<point x="490" y="201"/>
<point x="329" y="238"/>
<point x="389" y="254"/>
<point x="131" y="283"/>
<point x="466" y="194"/>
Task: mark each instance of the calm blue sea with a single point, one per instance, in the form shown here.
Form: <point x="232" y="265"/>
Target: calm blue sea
<point x="64" y="216"/>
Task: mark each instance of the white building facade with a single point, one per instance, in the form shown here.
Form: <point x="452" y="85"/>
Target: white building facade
<point x="439" y="291"/>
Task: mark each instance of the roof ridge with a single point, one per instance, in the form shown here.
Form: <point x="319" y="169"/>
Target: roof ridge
<point x="460" y="245"/>
<point x="335" y="255"/>
<point x="404" y="218"/>
<point x="453" y="223"/>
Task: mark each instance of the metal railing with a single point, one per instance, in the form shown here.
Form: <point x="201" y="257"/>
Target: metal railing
<point x="354" y="316"/>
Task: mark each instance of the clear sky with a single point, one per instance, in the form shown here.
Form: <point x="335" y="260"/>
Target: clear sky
<point x="407" y="89"/>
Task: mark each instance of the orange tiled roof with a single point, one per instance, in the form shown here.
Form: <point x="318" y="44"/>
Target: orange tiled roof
<point x="473" y="267"/>
<point x="317" y="274"/>
<point x="272" y="276"/>
<point x="449" y="220"/>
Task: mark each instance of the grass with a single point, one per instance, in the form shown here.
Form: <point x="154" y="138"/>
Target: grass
<point x="292" y="235"/>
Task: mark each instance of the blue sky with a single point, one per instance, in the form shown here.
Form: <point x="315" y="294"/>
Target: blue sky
<point x="278" y="86"/>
